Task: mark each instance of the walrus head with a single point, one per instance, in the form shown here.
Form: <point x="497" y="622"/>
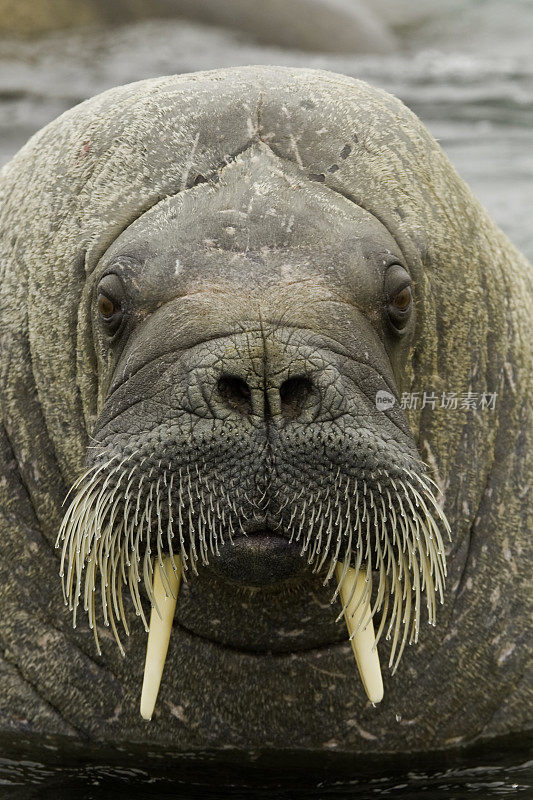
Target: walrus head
<point x="245" y="331"/>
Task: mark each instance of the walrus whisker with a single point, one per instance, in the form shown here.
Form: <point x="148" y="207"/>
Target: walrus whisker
<point x="116" y="583"/>
<point x="428" y="494"/>
<point x="424" y="479"/>
<point x="120" y="597"/>
<point x="334" y="562"/>
<point x="82" y="478"/>
<point x="395" y="622"/>
<point x="382" y="572"/>
<point x="305" y="546"/>
<point x="363" y="601"/>
<point x="406" y="619"/>
<point x="373" y="525"/>
<point x="317" y="549"/>
<point x="170" y="524"/>
<point x="341" y="578"/>
<point x="327" y="546"/>
<point x="181" y="506"/>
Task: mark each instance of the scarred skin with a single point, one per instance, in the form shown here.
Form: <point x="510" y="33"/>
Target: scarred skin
<point x="253" y="218"/>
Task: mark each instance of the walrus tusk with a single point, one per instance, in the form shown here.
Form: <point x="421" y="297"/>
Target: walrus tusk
<point x="160" y="629"/>
<point x="366" y="655"/>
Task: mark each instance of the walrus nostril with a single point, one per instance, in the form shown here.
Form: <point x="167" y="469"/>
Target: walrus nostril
<point x="294" y="393"/>
<point x="236" y="393"/>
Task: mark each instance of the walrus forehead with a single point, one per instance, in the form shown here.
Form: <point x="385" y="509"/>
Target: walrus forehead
<point x="261" y="218"/>
<point x="327" y="131"/>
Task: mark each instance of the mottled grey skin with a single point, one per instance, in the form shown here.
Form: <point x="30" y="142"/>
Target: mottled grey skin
<point x="252" y="216"/>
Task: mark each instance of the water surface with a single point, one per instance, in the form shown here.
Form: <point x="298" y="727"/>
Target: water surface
<point x="55" y="769"/>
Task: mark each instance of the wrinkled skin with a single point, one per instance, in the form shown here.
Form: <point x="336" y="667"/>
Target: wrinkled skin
<point x="255" y="335"/>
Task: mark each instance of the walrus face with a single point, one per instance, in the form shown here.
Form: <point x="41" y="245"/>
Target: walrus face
<point x="243" y="329"/>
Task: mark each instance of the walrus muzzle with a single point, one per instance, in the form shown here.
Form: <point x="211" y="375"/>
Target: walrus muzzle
<point x="349" y="500"/>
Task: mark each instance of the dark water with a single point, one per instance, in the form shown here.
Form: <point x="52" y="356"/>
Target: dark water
<point x="466" y="68"/>
<point x="55" y="770"/>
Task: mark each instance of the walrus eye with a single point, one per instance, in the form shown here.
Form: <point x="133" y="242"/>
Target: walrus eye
<point x="402" y="300"/>
<point x="399" y="308"/>
<point x="106" y="307"/>
<point x="398" y="297"/>
<point x="108" y="303"/>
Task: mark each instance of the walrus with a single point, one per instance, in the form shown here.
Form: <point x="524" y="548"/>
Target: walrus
<point x="265" y="367"/>
<point x="332" y="26"/>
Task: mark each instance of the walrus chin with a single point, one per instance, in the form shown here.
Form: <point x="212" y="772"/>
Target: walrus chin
<point x="377" y="533"/>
